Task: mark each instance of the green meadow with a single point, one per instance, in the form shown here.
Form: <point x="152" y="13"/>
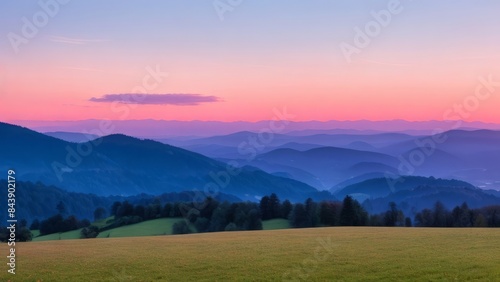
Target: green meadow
<point x="161" y="226"/>
<point x="316" y="254"/>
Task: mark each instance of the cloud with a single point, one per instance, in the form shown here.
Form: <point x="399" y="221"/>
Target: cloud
<point x="157" y="99"/>
<point x="74" y="41"/>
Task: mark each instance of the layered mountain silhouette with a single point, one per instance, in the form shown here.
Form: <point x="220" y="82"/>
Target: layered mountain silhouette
<point x="413" y="193"/>
<point x="72" y="136"/>
<point x="375" y="168"/>
<point x="470" y="155"/>
<point x="327" y="165"/>
<point x="123" y="165"/>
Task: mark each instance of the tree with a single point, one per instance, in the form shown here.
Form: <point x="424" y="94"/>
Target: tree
<point x="153" y="210"/>
<point x="254" y="221"/>
<point x="265" y="208"/>
<point x="456" y="213"/>
<point x="329" y="213"/>
<point x="140" y="211"/>
<point x="391" y="215"/>
<point x="312" y="212"/>
<point x="181" y="227"/>
<point x="394" y="216"/>
<point x="167" y="210"/>
<point x="209" y="206"/>
<point x="492" y="215"/>
<point x="176" y="210"/>
<point x="99" y="213"/>
<point x="218" y="220"/>
<point x="326" y="215"/>
<point x="83" y="223"/>
<point x="465" y="215"/>
<point x="231" y="227"/>
<point x="114" y="208"/>
<point x="286" y="208"/>
<point x="274" y="206"/>
<point x="202" y="224"/>
<point x="376" y="220"/>
<point x="439" y="215"/>
<point x="52" y="225"/>
<point x="480" y="221"/>
<point x="408" y="222"/>
<point x="70" y="223"/>
<point x="361" y="215"/>
<point x="24" y="235"/>
<point x="352" y="213"/>
<point x="348" y="213"/>
<point x="125" y="209"/>
<point x="299" y="217"/>
<point x="90" y="232"/>
<point x="424" y="218"/>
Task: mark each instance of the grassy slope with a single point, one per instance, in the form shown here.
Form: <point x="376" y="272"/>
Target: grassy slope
<point x="355" y="254"/>
<point x="75" y="234"/>
<point x="274" y="224"/>
<point x="161" y="226"/>
<point x="35" y="233"/>
<point x="102" y="222"/>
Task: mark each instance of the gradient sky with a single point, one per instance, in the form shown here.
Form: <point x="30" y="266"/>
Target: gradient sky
<point x="264" y="54"/>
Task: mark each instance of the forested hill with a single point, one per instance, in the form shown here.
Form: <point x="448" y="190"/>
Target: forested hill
<point x="39" y="201"/>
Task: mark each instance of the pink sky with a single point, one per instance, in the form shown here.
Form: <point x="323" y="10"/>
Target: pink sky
<point x="254" y="69"/>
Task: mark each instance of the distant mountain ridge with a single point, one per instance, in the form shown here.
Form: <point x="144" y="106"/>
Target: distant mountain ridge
<point x="170" y="128"/>
<point x="123" y="165"/>
<point x="75" y="137"/>
<point x="469" y="155"/>
<point x="413" y="193"/>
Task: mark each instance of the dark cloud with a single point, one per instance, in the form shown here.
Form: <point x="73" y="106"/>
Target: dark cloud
<point x="157" y="99"/>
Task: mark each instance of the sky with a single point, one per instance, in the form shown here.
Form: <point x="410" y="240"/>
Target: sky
<point x="237" y="60"/>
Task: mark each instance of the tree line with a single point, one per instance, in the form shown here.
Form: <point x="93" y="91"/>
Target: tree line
<point x="460" y="216"/>
<point x="216" y="216"/>
<point x="226" y="216"/>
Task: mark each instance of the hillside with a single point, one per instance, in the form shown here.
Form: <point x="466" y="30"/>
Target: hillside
<point x="72" y="136"/>
<point x="381" y="187"/>
<point x="39" y="201"/>
<point x="325" y="166"/>
<point x="413" y="193"/>
<point x="123" y="165"/>
<point x="154" y="227"/>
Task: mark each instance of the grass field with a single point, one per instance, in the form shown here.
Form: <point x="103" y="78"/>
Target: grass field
<point x="319" y="254"/>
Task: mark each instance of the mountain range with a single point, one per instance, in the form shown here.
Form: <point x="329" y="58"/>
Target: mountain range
<point x="327" y="161"/>
<point x="150" y="128"/>
<point x="453" y="167"/>
<point x="123" y="165"/>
